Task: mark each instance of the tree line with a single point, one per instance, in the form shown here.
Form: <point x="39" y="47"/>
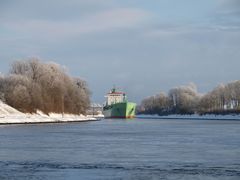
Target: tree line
<point x="32" y="85"/>
<point x="223" y="99"/>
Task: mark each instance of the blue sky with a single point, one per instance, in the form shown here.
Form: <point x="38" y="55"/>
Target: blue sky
<point x="141" y="46"/>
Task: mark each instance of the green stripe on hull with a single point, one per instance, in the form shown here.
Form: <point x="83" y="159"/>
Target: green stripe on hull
<point x="120" y="110"/>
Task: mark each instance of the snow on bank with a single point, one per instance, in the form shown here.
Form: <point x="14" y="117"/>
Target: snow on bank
<point x="6" y="110"/>
<point x="9" y="115"/>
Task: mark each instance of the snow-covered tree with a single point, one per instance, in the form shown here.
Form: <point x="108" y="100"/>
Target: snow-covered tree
<point x="33" y="85"/>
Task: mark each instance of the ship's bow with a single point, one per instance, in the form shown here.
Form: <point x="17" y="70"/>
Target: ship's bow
<point x="124" y="110"/>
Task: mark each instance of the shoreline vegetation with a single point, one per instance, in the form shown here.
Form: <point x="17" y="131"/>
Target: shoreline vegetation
<point x="186" y="100"/>
<point x="32" y="86"/>
<point x="38" y="92"/>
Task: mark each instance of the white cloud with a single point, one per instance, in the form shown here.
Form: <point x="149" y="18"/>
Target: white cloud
<point x="119" y="18"/>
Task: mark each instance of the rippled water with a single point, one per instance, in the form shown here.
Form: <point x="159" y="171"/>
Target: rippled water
<point x="122" y="149"/>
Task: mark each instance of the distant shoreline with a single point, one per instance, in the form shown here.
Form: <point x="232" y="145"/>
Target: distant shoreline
<point x="192" y="117"/>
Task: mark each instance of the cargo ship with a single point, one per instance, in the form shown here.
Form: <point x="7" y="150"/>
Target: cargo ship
<point x="117" y="106"/>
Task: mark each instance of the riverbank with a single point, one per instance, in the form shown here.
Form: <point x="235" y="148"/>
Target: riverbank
<point x="193" y="117"/>
<point x="9" y="115"/>
<point x="38" y="119"/>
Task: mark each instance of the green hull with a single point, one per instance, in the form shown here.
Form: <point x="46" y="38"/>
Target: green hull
<point x="120" y="110"/>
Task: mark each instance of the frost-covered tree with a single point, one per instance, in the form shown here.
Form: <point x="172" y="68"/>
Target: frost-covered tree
<point x="158" y="104"/>
<point x="16" y="92"/>
<point x="2" y="96"/>
<point x="33" y="85"/>
<point x="180" y="100"/>
<point x="222" y="99"/>
<point x="184" y="99"/>
<point x="233" y="95"/>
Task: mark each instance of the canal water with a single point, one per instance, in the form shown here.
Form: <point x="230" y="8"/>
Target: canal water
<point x="141" y="149"/>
